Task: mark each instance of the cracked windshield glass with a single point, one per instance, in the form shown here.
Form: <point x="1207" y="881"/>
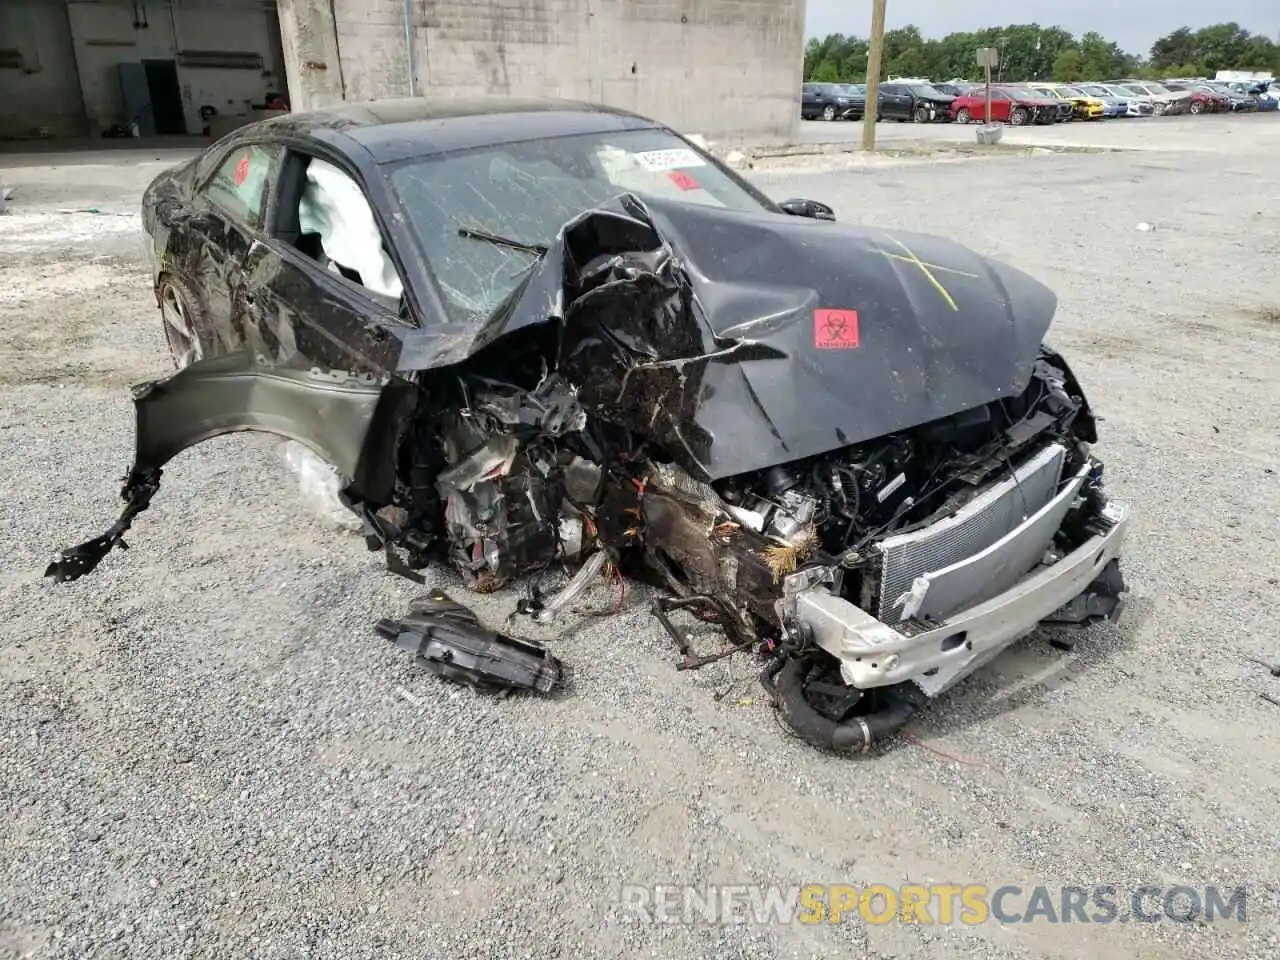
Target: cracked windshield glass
<point x="482" y="216"/>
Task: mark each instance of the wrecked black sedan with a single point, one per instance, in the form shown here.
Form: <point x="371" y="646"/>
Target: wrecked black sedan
<point x="526" y="333"/>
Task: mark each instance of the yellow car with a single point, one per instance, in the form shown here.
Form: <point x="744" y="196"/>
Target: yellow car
<point x="1084" y="107"/>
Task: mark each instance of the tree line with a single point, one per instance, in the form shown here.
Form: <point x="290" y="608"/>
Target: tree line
<point x="1032" y="52"/>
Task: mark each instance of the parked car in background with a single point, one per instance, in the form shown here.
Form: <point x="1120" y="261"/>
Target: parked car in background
<point x="957" y="88"/>
<point x="1066" y="108"/>
<point x="1202" y="101"/>
<point x="1237" y="102"/>
<point x="1107" y="105"/>
<point x="1018" y="109"/>
<point x="857" y="94"/>
<point x="1268" y="98"/>
<point x="1137" y="104"/>
<point x="827" y="101"/>
<point x="1119" y="105"/>
<point x="1083" y="107"/>
<point x="916" y="101"/>
<point x="1047" y="109"/>
<point x="1167" y="102"/>
<point x="1258" y="92"/>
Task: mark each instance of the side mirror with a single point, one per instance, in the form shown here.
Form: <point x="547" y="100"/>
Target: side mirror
<point x="812" y="209"/>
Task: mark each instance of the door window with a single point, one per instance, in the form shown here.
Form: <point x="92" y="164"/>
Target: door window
<point x="239" y="185"/>
<point x="336" y="227"/>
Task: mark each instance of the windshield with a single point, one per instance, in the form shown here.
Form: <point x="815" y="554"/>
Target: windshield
<point x="523" y="193"/>
<point x="1046" y="92"/>
<point x="856" y="89"/>
<point x="1095" y="91"/>
<point x="926" y="90"/>
<point x="1022" y="93"/>
<point x="1071" y="92"/>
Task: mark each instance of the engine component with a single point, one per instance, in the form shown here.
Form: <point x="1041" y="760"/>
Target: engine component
<point x="787" y="680"/>
<point x="449" y="640"/>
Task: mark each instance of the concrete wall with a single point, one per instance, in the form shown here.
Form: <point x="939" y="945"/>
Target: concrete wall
<point x="45" y="91"/>
<point x="716" y="67"/>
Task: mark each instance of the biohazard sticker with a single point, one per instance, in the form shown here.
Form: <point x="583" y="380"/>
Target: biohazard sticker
<point x="835" y="329"/>
<point x="683" y="181"/>
<point x="678" y="159"/>
<point x="242" y="170"/>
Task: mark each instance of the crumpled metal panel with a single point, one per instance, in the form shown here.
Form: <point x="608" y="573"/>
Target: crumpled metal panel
<point x="712" y="332"/>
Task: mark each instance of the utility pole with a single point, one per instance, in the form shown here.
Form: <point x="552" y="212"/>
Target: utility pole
<point x="875" y="53"/>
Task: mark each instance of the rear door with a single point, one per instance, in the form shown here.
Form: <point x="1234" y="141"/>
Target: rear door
<point x="1000" y="106"/>
<point x="904" y="102"/>
<point x="808" y="100"/>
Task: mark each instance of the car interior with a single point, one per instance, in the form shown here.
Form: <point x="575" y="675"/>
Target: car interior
<point x="323" y="213"/>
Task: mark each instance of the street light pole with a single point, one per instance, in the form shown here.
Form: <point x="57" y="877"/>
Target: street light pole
<point x="875" y="53"/>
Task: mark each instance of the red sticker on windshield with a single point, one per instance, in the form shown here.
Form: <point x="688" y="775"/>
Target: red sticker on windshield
<point x="835" y="329"/>
<point x="682" y="180"/>
<point x="242" y="170"/>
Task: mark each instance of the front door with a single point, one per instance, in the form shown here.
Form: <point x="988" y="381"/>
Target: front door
<point x="321" y="289"/>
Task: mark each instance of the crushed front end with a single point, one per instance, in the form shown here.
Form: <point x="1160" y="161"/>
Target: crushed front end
<point x="874" y="479"/>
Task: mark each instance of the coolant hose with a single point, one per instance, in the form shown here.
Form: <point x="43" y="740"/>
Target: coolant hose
<point x="785" y="679"/>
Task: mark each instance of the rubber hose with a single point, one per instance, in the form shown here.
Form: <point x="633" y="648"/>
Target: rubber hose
<point x="855" y="736"/>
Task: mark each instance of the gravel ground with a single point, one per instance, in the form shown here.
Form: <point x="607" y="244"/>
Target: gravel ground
<point x="205" y="751"/>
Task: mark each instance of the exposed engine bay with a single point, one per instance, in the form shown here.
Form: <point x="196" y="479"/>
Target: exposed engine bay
<point x="870" y="574"/>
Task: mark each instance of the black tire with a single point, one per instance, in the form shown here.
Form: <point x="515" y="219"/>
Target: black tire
<point x="1019" y="117"/>
<point x="964" y="116"/>
<point x="922" y="114"/>
<point x="1196" y="106"/>
<point x="186" y="327"/>
<point x="828" y="113"/>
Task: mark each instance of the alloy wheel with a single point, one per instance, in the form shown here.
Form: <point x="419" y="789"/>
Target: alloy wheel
<point x="184" y="344"/>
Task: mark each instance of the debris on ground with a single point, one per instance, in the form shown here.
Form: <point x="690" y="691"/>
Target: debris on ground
<point x="448" y="639"/>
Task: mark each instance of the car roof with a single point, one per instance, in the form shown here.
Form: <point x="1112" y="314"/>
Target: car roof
<point x="400" y="129"/>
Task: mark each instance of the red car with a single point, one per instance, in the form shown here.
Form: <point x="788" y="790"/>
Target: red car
<point x="1202" y="101"/>
<point x="1008" y="105"/>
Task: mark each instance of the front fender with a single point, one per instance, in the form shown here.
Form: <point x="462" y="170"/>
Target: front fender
<point x="354" y="422"/>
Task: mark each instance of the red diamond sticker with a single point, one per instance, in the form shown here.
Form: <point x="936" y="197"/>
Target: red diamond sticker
<point x="682" y="180"/>
<point x="835" y="329"/>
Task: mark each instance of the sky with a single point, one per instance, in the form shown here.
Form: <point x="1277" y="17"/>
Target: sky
<point x="1134" y="24"/>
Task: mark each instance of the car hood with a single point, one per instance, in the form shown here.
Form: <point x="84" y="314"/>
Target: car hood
<point x="739" y="341"/>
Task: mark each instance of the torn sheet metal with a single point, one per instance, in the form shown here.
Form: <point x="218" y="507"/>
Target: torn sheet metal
<point x="448" y="639"/>
<point x="351" y="422"/>
<point x="503" y="489"/>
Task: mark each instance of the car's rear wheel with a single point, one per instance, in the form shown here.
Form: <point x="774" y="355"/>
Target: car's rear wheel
<point x="1019" y="116"/>
<point x="183" y="321"/>
<point x="828" y="112"/>
<point x="963" y="115"/>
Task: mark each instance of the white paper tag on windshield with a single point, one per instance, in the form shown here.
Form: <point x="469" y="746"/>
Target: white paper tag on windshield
<point x="669" y="159"/>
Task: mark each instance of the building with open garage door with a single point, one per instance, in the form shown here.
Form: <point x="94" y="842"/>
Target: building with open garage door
<point x="93" y="68"/>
